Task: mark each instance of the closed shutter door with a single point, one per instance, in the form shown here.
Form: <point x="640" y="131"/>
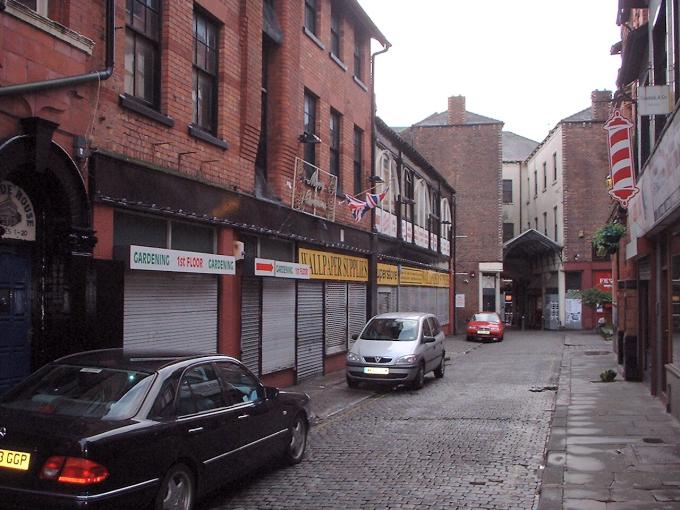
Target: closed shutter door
<point x="408" y="299"/>
<point x="387" y="299"/>
<point x="250" y="324"/>
<point x="356" y="316"/>
<point x="335" y="319"/>
<point x="429" y="299"/>
<point x="443" y="306"/>
<point x="309" y="330"/>
<point x="170" y="311"/>
<point x="278" y="324"/>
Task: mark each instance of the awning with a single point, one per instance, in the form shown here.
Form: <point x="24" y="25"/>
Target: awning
<point x="530" y="244"/>
<point x="270" y="23"/>
<point x="634" y="60"/>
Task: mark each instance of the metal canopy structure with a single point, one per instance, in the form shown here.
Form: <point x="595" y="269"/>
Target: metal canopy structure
<point x="528" y="245"/>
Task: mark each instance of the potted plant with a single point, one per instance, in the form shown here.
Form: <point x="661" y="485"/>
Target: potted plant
<point x="606" y="238"/>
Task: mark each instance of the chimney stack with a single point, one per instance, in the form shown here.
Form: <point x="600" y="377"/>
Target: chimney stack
<point x="600" y="104"/>
<point x="456" y="110"/>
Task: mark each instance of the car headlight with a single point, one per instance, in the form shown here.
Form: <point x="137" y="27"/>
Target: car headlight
<point x="353" y="357"/>
<point x="409" y="359"/>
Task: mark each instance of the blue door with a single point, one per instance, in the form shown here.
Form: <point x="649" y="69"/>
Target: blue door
<point x="15" y="318"/>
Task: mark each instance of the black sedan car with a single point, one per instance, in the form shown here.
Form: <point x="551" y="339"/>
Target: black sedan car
<point x="114" y="429"/>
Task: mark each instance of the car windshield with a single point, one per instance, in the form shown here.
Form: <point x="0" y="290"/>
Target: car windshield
<point x="86" y="392"/>
<point x="391" y="329"/>
<point x="485" y="317"/>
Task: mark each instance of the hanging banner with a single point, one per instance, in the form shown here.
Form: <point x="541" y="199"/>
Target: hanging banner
<point x="620" y="159"/>
<point x="159" y="259"/>
<point x="17" y="218"/>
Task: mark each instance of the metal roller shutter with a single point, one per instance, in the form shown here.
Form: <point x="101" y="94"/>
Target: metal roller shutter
<point x="387" y="299"/>
<point x="443" y="306"/>
<point x="310" y="330"/>
<point x="408" y="299"/>
<point x="335" y="319"/>
<point x="250" y="324"/>
<point x="170" y="311"/>
<point x="356" y="316"/>
<point x="428" y="299"/>
<point x="278" y="324"/>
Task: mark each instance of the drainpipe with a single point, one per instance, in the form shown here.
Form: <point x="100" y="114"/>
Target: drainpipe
<point x="81" y="78"/>
<point x="372" y="304"/>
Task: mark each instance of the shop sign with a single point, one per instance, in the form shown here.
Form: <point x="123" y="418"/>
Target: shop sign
<point x="460" y="300"/>
<point x="17" y="217"/>
<point x="423" y="277"/>
<point x="160" y="259"/>
<point x="281" y="269"/>
<point x="388" y="274"/>
<point x="622" y="176"/>
<point x="333" y="266"/>
<point x="655" y="100"/>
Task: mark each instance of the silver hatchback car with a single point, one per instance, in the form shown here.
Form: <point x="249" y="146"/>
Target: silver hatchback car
<point x="397" y="348"/>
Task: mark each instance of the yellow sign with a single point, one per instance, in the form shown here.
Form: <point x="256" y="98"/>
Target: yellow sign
<point x="423" y="277"/>
<point x="388" y="274"/>
<point x="333" y="266"/>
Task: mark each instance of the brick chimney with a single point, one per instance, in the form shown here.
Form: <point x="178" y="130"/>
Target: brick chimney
<point x="456" y="110"/>
<point x="600" y="104"/>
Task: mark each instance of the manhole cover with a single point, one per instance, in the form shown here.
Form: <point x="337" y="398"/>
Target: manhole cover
<point x="596" y="353"/>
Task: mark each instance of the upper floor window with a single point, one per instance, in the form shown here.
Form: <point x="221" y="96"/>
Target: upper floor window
<point x="142" y="50"/>
<point x="545" y="224"/>
<point x="358" y="157"/>
<point x="39" y="6"/>
<point x="508" y="231"/>
<point x="310" y="128"/>
<point x="205" y="73"/>
<point x="507" y="191"/>
<point x="336" y="46"/>
<point x="422" y="205"/>
<point x="535" y="183"/>
<point x="310" y="15"/>
<point x="387" y="170"/>
<point x="545" y="175"/>
<point x="445" y="219"/>
<point x="554" y="166"/>
<point x="407" y="194"/>
<point x="334" y="135"/>
<point x="358" y="56"/>
<point x="555" y="222"/>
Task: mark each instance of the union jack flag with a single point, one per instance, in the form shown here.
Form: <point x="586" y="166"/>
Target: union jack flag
<point x="358" y="207"/>
<point x="373" y="199"/>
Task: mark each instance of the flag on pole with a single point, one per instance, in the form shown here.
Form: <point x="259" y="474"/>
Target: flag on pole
<point x="373" y="199"/>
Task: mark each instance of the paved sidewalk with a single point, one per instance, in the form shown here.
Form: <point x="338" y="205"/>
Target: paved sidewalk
<point x="330" y="394"/>
<point x="612" y="445"/>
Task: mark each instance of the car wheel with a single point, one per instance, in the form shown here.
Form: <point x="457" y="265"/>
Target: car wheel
<point x="419" y="381"/>
<point x="298" y="441"/>
<point x="439" y="371"/>
<point x="500" y="338"/>
<point x="352" y="383"/>
<point x="177" y="489"/>
<point x="468" y="338"/>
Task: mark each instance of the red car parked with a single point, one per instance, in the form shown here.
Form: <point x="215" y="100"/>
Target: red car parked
<point x="486" y="326"/>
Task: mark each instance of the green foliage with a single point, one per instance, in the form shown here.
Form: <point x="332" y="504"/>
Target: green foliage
<point x="606" y="238"/>
<point x="595" y="296"/>
<point x="608" y="375"/>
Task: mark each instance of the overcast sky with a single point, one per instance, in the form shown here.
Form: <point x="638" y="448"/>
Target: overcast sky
<point x="528" y="63"/>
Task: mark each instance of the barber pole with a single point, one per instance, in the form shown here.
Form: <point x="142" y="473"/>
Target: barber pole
<point x="620" y="159"/>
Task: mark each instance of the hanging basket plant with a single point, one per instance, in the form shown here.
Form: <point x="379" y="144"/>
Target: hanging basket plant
<point x="606" y="238"/>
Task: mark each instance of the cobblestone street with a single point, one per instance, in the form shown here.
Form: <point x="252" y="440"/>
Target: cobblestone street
<point x="474" y="439"/>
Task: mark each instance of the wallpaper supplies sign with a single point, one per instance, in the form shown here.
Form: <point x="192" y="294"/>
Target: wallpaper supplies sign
<point x="333" y="266"/>
<point x="160" y="259"/>
<point x="17" y="218"/>
<point x="280" y="269"/>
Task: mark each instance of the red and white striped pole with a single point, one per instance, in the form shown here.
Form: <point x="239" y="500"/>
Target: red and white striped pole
<point x="621" y="159"/>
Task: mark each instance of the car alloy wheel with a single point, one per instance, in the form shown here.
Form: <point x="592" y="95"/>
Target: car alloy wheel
<point x="177" y="490"/>
<point x="298" y="441"/>
<point x="439" y="371"/>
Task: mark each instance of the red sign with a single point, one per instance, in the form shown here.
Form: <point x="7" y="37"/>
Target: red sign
<point x="620" y="159"/>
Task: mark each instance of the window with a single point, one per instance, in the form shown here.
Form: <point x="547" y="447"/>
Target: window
<point x="445" y="219"/>
<point x="199" y="391"/>
<point x="358" y="156"/>
<point x="204" y="90"/>
<point x="239" y="385"/>
<point x="545" y="224"/>
<point x="528" y="225"/>
<point x="142" y="50"/>
<point x="422" y="204"/>
<point x="434" y="326"/>
<point x="535" y="223"/>
<point x="39" y="6"/>
<point x="310" y="16"/>
<point x="407" y="198"/>
<point x="535" y="183"/>
<point x="310" y="128"/>
<point x="545" y="176"/>
<point x="555" y="221"/>
<point x="554" y="166"/>
<point x="358" y="56"/>
<point x="336" y="46"/>
<point x="334" y="134"/>
<point x="507" y="191"/>
<point x="508" y="231"/>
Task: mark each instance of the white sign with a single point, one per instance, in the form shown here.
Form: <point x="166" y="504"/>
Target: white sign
<point x="280" y="269"/>
<point x="460" y="300"/>
<point x="17" y="218"/>
<point x="654" y="100"/>
<point x="159" y="259"/>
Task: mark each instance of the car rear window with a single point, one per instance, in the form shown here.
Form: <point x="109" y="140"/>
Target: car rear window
<point x="486" y="317"/>
<point x="86" y="392"/>
<point x="391" y="329"/>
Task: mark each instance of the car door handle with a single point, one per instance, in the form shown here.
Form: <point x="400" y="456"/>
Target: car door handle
<point x="195" y="431"/>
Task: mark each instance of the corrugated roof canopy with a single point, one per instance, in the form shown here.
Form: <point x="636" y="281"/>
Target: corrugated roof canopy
<point x="529" y="244"/>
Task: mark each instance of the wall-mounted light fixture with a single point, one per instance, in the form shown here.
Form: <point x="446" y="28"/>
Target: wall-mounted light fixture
<point x="306" y="137"/>
<point x="376" y="179"/>
<point x="80" y="147"/>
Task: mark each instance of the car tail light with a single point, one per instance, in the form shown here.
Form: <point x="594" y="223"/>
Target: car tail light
<point x="73" y="470"/>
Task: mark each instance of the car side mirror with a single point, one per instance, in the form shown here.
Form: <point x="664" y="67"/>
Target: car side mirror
<point x="355" y="336"/>
<point x="270" y="392"/>
<point x="428" y="339"/>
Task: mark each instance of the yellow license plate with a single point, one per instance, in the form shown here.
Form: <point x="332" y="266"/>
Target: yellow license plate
<point x="14" y="460"/>
<point x="482" y="332"/>
<point x="376" y="370"/>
